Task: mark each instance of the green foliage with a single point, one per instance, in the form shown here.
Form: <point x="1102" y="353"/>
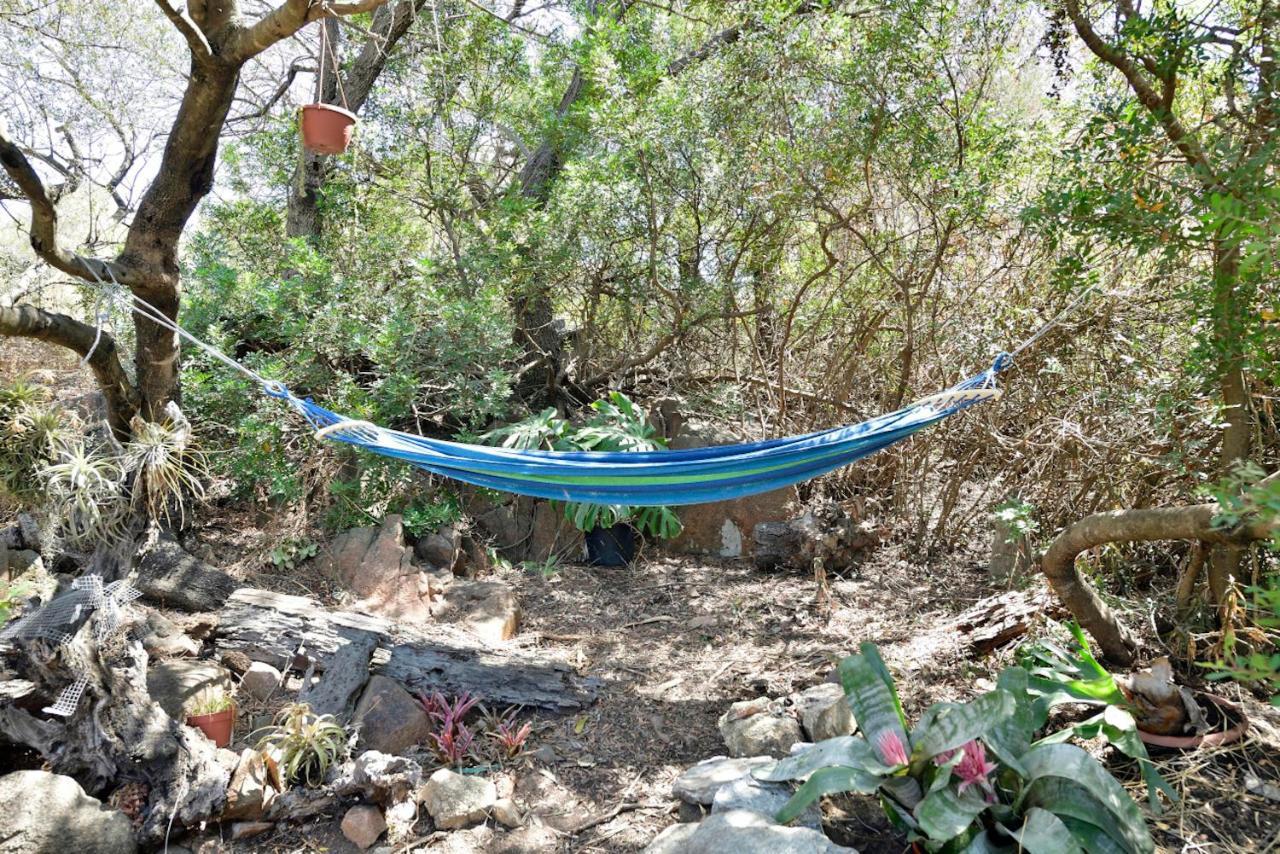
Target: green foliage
<point x="292" y="552"/>
<point x="938" y="785"/>
<point x="423" y="516"/>
<point x="304" y="744"/>
<point x="209" y="703"/>
<point x="616" y="424"/>
<point x="1242" y="495"/>
<point x="1260" y="665"/>
<point x="546" y="568"/>
<point x="10" y="594"/>
<point x="1019" y="517"/>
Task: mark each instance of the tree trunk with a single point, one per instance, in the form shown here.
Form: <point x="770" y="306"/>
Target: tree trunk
<point x="1225" y="560"/>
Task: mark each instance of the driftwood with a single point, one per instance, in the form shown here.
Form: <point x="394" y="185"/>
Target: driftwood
<point x="169" y="575"/>
<point x="992" y="622"/>
<point x="116" y="733"/>
<point x="824" y="532"/>
<point x="296" y="631"/>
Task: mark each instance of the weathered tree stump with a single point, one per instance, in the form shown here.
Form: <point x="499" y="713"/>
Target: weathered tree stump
<point x="116" y="733"/>
<point x="824" y="532"/>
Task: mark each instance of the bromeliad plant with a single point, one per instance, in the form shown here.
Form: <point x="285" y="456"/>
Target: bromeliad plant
<point x="967" y="776"/>
<point x="617" y="424"/>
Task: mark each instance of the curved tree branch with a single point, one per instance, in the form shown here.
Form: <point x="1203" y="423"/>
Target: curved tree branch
<point x="1194" y="522"/>
<point x="285" y="20"/>
<point x="44" y="221"/>
<point x="26" y="321"/>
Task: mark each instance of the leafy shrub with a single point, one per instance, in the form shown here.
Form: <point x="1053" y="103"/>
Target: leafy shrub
<point x="967" y="776"/>
<point x="9" y="596"/>
<point x="292" y="552"/>
<point x="1261" y="664"/>
<point x="616" y="424"/>
<point x="305" y="744"/>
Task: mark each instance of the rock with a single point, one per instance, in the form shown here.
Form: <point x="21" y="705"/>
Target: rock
<point x="377" y="567"/>
<point x="529" y="839"/>
<point x="50" y="814"/>
<point x="441" y="549"/>
<point x="455" y="800"/>
<point x="724" y="528"/>
<point x="748" y="732"/>
<point x="475" y="562"/>
<point x="766" y="799"/>
<point x="169" y="575"/>
<point x="261" y="681"/>
<point x="507" y="813"/>
<point x="17" y="561"/>
<point x="699" y="784"/>
<point x="401" y="816"/>
<point x="388" y="718"/>
<point x="742" y="832"/>
<point x="176" y="682"/>
<point x="249" y="829"/>
<point x="381" y="778"/>
<point x="362" y="825"/>
<point x="552" y="536"/>
<point x="235" y="661"/>
<point x="487" y="608"/>
<point x="162" y="638"/>
<point x="824" y="712"/>
<point x="249" y="793"/>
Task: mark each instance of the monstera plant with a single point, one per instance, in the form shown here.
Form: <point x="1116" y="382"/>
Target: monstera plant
<point x="968" y="776"/>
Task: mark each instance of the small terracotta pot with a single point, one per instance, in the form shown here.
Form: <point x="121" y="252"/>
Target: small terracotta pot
<point x="327" y="129"/>
<point x="1232" y="726"/>
<point x="217" y="725"/>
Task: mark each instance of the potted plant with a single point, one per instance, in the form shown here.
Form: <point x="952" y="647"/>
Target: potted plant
<point x="616" y="424"/>
<point x="214" y="714"/>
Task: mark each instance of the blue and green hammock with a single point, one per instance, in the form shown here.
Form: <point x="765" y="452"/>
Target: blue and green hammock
<point x="651" y="478"/>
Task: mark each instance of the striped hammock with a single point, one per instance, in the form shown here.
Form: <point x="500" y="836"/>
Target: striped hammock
<point x="652" y="478"/>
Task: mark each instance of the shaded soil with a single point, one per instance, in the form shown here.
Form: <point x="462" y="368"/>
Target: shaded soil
<point x="677" y="640"/>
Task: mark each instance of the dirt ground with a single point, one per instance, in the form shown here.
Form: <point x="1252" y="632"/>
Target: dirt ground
<point x="677" y="640"/>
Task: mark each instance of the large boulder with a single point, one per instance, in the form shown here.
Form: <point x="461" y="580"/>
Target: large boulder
<point x="487" y="608"/>
<point x="742" y="832"/>
<point x="456" y="800"/>
<point x="389" y="719"/>
<point x="725" y="528"/>
<point x="178" y="681"/>
<point x="699" y="784"/>
<point x="50" y="814"/>
<point x="756" y="728"/>
<point x="766" y="799"/>
<point x="377" y="567"/>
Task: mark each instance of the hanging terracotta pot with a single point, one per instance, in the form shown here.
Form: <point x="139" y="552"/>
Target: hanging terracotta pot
<point x="216" y="725"/>
<point x="327" y="129"/>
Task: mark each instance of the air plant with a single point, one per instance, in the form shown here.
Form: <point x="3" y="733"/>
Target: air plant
<point x="453" y="740"/>
<point x="165" y="468"/>
<point x="304" y="744"/>
<point x="86" y="490"/>
<point x="31" y="434"/>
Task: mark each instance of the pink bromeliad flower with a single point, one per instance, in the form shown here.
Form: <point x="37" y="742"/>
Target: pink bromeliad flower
<point x="973" y="769"/>
<point x="890" y="748"/>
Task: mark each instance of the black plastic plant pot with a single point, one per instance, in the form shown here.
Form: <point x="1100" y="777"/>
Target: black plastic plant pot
<point x="614" y="546"/>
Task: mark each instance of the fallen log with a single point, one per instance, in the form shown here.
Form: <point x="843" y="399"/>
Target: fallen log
<point x="171" y="576"/>
<point x="298" y="632"/>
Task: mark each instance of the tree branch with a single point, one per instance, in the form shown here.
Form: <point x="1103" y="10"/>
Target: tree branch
<point x="195" y="39"/>
<point x="26" y="321"/>
<point x="285" y="20"/>
<point x="44" y="221"/>
<point x="1153" y="101"/>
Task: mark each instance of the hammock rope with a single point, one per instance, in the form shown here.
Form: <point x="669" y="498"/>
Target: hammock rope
<point x="654" y="478"/>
